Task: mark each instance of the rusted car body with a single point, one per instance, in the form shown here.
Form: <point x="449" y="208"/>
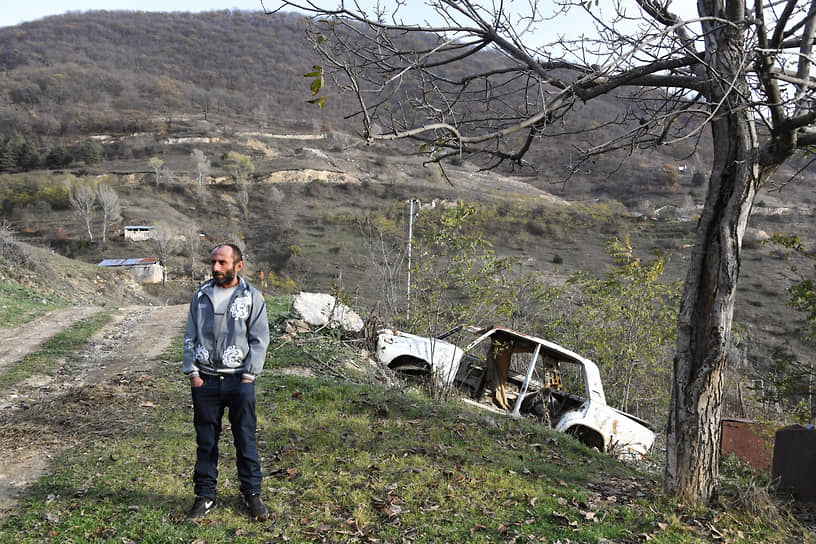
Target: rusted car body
<point x="517" y="374"/>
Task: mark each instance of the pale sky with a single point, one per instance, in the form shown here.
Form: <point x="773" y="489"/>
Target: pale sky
<point x="30" y="10"/>
<point x="413" y="12"/>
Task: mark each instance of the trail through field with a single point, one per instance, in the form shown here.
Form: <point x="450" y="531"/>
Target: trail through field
<point x="45" y="415"/>
<point x="20" y="341"/>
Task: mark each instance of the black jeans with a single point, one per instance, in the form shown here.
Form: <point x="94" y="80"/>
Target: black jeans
<point x="209" y="402"/>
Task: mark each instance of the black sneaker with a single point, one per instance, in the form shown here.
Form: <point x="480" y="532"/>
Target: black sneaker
<point x="257" y="509"/>
<point x="201" y="507"/>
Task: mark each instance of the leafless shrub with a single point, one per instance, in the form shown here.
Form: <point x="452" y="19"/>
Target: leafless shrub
<point x="17" y="254"/>
<point x="339" y="141"/>
<point x="756" y="500"/>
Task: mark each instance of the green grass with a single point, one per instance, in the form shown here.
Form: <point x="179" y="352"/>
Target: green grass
<point x="349" y="461"/>
<point x="20" y="305"/>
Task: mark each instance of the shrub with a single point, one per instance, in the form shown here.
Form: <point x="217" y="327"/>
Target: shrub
<point x="283" y="284"/>
<point x="58" y="157"/>
<point x="88" y="152"/>
<point x="534" y="228"/>
<point x="56" y="196"/>
<point x="16" y="254"/>
<point x="295" y="251"/>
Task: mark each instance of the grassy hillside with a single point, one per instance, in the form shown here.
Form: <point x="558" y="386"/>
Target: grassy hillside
<point x="322" y="211"/>
<point x="348" y="459"/>
<point x="35" y="279"/>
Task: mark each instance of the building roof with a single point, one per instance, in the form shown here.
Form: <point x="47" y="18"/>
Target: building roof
<point x="129" y="262"/>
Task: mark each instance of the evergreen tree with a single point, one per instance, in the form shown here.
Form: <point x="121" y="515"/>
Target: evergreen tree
<point x="89" y="152"/>
<point x="58" y="157"/>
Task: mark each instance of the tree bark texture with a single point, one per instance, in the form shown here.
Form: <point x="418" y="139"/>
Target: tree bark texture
<point x="707" y="307"/>
<point x="705" y="319"/>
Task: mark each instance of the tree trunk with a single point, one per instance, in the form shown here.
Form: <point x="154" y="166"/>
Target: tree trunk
<point x="706" y="311"/>
<point x="88" y="226"/>
<point x="707" y="306"/>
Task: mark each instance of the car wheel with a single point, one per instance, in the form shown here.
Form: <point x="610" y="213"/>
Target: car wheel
<point x="410" y="365"/>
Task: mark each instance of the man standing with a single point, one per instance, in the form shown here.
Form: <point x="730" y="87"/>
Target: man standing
<point x="224" y="350"/>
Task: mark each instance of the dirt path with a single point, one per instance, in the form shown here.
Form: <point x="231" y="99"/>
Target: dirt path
<point x="43" y="415"/>
<point x="20" y="341"/>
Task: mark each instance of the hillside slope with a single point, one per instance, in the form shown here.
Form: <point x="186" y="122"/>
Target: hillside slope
<point x="161" y="87"/>
<point x="121" y="73"/>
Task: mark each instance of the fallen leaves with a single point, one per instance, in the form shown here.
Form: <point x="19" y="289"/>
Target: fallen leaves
<point x="563" y="519"/>
<point x="391" y="506"/>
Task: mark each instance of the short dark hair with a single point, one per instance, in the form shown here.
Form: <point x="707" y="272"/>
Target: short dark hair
<point x="237" y="256"/>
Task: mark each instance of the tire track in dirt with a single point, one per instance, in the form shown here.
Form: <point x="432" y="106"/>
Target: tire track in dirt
<point x="27" y="338"/>
<point x="33" y="429"/>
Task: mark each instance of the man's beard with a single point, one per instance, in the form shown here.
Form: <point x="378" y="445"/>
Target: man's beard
<point x="225" y="278"/>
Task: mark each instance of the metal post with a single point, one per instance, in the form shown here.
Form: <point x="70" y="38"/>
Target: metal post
<point x="410" y="240"/>
<point x="526" y="384"/>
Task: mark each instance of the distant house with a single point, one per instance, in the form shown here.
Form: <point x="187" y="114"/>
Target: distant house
<point x="146" y="270"/>
<point x="137" y="233"/>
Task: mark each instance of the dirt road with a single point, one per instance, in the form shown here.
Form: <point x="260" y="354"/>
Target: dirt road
<point x="19" y="341"/>
<point x="43" y="415"/>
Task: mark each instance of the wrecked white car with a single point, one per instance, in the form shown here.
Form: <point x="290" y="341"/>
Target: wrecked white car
<point x="514" y="373"/>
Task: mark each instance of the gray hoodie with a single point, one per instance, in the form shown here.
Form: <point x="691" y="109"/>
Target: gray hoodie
<point x="244" y="338"/>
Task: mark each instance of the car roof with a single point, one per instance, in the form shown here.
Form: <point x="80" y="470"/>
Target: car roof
<point x="550" y="348"/>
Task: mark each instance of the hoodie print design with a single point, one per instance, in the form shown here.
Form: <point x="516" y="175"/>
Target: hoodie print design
<point x="240" y="307"/>
<point x="201" y="354"/>
<point x="233" y="357"/>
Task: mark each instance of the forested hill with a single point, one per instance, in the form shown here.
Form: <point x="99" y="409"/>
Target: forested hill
<point x="119" y="71"/>
<point x="68" y="77"/>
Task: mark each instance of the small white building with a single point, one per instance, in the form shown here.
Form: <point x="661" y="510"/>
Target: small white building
<point x="138" y="233"/>
<point x="145" y="270"/>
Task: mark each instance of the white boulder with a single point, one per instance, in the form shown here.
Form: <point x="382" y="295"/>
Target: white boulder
<point x="321" y="309"/>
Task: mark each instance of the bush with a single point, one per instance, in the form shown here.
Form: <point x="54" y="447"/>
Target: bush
<point x="283" y="284"/>
<point x="534" y="228"/>
<point x="89" y="152"/>
<point x="56" y="196"/>
<point x="295" y="251"/>
<point x="58" y="157"/>
<point x="15" y="254"/>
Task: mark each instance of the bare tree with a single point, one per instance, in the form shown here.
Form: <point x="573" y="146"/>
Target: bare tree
<point x="156" y="164"/>
<point x="192" y="245"/>
<point x="169" y="177"/>
<point x="475" y="85"/>
<point x="83" y="200"/>
<point x="164" y="241"/>
<point x="202" y="165"/>
<point x="111" y="209"/>
<point x="243" y="199"/>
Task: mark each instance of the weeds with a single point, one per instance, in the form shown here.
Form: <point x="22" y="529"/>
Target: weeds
<point x="16" y="255"/>
<point x="347" y="462"/>
<point x="22" y="305"/>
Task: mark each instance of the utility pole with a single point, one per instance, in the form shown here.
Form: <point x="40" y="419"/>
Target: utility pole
<point x="410" y="241"/>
